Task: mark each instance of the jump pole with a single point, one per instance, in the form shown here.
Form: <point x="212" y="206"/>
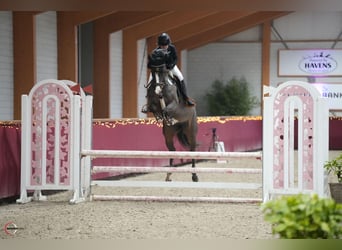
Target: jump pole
<point x="174" y="199"/>
<point x="137" y="169"/>
<point x="177" y="184"/>
<point x="168" y="154"/>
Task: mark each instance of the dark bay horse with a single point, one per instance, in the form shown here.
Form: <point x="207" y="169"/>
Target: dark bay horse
<point x="170" y="108"/>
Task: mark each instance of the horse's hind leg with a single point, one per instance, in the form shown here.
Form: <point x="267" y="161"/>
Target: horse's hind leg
<point x="193" y="145"/>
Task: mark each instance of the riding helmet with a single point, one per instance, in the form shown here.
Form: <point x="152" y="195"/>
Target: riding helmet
<point x="164" y="39"/>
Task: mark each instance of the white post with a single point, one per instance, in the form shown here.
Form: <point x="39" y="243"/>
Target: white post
<point x="75" y="149"/>
<point x="278" y="145"/>
<point x="36" y="109"/>
<point x="267" y="148"/>
<point x="86" y="143"/>
<point x="25" y="154"/>
<point x="321" y="154"/>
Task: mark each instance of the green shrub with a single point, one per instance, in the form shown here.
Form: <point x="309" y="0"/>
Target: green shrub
<point x="304" y="217"/>
<point x="232" y="98"/>
<point x="335" y="166"/>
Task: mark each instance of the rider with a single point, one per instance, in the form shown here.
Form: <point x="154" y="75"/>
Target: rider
<point x="164" y="42"/>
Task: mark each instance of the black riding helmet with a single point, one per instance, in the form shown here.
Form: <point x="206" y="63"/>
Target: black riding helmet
<point x="164" y="39"/>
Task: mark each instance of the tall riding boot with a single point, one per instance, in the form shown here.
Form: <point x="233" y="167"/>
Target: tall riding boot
<point x="184" y="93"/>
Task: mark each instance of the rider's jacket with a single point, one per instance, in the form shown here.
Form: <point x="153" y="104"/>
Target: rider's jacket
<point x="170" y="57"/>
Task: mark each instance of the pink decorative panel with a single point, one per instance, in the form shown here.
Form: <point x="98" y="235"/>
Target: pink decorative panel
<point x="51" y="109"/>
<point x="279" y="128"/>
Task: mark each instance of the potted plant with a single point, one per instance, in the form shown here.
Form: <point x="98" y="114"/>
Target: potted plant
<point x="334" y="166"/>
<point x="231" y="98"/>
<point x="304" y="216"/>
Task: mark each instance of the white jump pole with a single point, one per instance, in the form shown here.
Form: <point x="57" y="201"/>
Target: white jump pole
<point x="175" y="199"/>
<point x="168" y="154"/>
<point x="123" y="169"/>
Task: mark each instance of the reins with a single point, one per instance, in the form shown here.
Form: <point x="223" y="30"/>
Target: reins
<point x="156" y="68"/>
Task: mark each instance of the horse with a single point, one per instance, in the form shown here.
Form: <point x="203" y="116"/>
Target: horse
<point x="168" y="107"/>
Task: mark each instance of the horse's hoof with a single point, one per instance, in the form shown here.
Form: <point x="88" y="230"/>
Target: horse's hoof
<point x="145" y="109"/>
<point x="194" y="178"/>
<point x="167" y="178"/>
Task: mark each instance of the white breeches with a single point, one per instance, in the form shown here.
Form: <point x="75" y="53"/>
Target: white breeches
<point x="175" y="71"/>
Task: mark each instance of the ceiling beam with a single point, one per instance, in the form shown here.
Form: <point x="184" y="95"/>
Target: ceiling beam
<point x="165" y="21"/>
<point x="125" y="19"/>
<point x="228" y="29"/>
<point x="80" y="17"/>
<point x="206" y="23"/>
<point x="156" y="5"/>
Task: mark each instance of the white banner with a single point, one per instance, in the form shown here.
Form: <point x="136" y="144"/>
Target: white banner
<point x="333" y="92"/>
<point x="310" y="62"/>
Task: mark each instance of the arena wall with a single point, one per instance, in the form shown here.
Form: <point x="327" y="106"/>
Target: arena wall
<point x="237" y="134"/>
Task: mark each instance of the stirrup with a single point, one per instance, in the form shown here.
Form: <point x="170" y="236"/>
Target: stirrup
<point x="190" y="102"/>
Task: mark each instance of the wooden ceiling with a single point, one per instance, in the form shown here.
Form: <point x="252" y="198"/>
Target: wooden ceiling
<point x="157" y="5"/>
<point x="191" y="23"/>
<point x="188" y="29"/>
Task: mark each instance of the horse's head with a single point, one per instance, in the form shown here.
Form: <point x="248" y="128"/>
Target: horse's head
<point x="157" y="64"/>
<point x="158" y="57"/>
<point x="162" y="91"/>
<point x="160" y="74"/>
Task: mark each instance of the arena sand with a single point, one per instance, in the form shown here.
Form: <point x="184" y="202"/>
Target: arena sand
<point x="57" y="219"/>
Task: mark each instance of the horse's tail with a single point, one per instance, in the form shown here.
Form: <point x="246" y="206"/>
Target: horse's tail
<point x="183" y="139"/>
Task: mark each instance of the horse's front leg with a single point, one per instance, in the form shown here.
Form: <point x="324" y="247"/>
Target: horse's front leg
<point x="194" y="175"/>
<point x="168" y="175"/>
<point x="170" y="113"/>
<point x="168" y="135"/>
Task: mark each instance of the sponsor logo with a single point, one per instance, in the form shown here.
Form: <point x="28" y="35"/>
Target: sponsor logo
<point x="318" y="63"/>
